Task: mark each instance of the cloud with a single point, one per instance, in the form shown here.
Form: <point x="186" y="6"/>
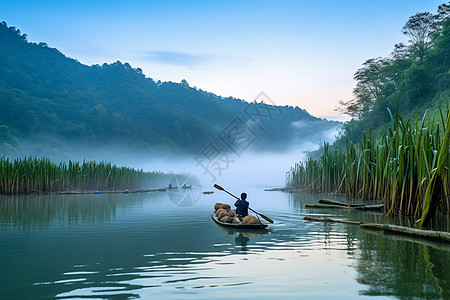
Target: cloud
<point x="300" y="124"/>
<point x="176" y="58"/>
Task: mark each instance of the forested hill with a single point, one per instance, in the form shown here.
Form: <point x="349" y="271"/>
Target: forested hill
<point x="49" y="101"/>
<point x="415" y="77"/>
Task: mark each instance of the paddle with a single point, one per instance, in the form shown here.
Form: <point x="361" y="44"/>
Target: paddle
<point x="262" y="216"/>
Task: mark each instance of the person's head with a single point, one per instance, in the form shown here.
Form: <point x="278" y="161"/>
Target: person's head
<point x="243" y="196"/>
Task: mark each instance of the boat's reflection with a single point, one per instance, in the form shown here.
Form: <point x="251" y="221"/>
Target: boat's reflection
<point x="241" y="240"/>
<point x="243" y="236"/>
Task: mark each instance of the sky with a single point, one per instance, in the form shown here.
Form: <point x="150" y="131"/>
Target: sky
<point x="299" y="53"/>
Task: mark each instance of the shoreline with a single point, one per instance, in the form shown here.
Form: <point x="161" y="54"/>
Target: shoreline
<point x="87" y="192"/>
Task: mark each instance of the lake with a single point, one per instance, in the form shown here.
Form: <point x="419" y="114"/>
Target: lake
<point x="155" y="246"/>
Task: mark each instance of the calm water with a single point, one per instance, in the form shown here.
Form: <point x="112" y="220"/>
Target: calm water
<point x="144" y="246"/>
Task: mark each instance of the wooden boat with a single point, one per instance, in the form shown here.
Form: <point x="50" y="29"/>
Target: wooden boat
<point x="238" y="226"/>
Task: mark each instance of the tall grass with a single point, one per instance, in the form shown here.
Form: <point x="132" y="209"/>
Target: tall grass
<point x="31" y="175"/>
<point x="395" y="167"/>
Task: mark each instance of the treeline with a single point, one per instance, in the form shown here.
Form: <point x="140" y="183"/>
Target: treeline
<point x="40" y="175"/>
<point x="415" y="75"/>
<point x="51" y="101"/>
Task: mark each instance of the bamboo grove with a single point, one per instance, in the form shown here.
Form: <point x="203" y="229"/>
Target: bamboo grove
<point x="395" y="167"/>
<point x="32" y="175"/>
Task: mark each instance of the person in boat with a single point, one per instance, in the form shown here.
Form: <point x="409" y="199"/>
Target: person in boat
<point x="242" y="206"/>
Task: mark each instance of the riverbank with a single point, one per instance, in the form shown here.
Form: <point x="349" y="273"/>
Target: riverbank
<point x="74" y="192"/>
<point x="402" y="230"/>
<point x="32" y="175"/>
<point x="405" y="167"/>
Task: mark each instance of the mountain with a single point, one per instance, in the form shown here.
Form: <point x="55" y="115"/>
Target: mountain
<point x="54" y="104"/>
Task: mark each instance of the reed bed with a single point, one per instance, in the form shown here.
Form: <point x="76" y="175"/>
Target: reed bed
<point x="31" y="175"/>
<point x="394" y="167"/>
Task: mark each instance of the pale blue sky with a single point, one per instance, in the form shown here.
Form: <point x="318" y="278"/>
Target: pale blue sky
<point x="300" y="53"/>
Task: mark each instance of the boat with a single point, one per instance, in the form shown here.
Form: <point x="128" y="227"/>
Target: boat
<point x="238" y="226"/>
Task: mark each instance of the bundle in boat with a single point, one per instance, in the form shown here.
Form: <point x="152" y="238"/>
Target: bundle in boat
<point x="227" y="219"/>
<point x="250" y="220"/>
<point x="218" y="206"/>
<point x="220" y="213"/>
<point x="224" y="213"/>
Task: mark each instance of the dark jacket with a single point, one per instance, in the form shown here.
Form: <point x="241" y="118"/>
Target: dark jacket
<point x="241" y="207"/>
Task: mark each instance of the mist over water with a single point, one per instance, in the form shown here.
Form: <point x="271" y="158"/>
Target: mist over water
<point x="251" y="167"/>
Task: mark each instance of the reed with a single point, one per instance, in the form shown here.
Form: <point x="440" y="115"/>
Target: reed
<point x="395" y="167"/>
<point x="31" y="175"/>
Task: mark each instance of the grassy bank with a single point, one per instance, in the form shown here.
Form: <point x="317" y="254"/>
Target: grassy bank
<point x="33" y="175"/>
<point x="395" y="167"/>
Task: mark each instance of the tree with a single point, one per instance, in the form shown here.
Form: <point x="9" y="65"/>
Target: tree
<point x="351" y="108"/>
<point x="417" y="84"/>
<point x="184" y="83"/>
<point x="438" y="63"/>
<point x="443" y="13"/>
<point x="419" y="28"/>
<point x="371" y="82"/>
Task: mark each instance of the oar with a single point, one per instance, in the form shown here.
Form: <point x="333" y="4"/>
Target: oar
<point x="262" y="216"/>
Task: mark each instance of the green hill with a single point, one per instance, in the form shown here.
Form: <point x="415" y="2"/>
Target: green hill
<point x="53" y="104"/>
<point x="415" y="78"/>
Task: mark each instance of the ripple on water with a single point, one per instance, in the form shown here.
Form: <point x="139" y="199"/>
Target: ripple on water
<point x="142" y="246"/>
<point x="173" y="270"/>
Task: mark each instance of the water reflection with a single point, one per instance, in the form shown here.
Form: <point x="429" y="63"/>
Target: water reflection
<point x="387" y="264"/>
<point x="403" y="267"/>
<point x="243" y="236"/>
<point x="144" y="246"/>
<point x="40" y="212"/>
<point x="242" y="240"/>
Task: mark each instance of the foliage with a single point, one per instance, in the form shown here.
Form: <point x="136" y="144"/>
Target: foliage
<point x="53" y="101"/>
<point x="36" y="175"/>
<point x="415" y="76"/>
<point x="436" y="188"/>
<point x="395" y="167"/>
